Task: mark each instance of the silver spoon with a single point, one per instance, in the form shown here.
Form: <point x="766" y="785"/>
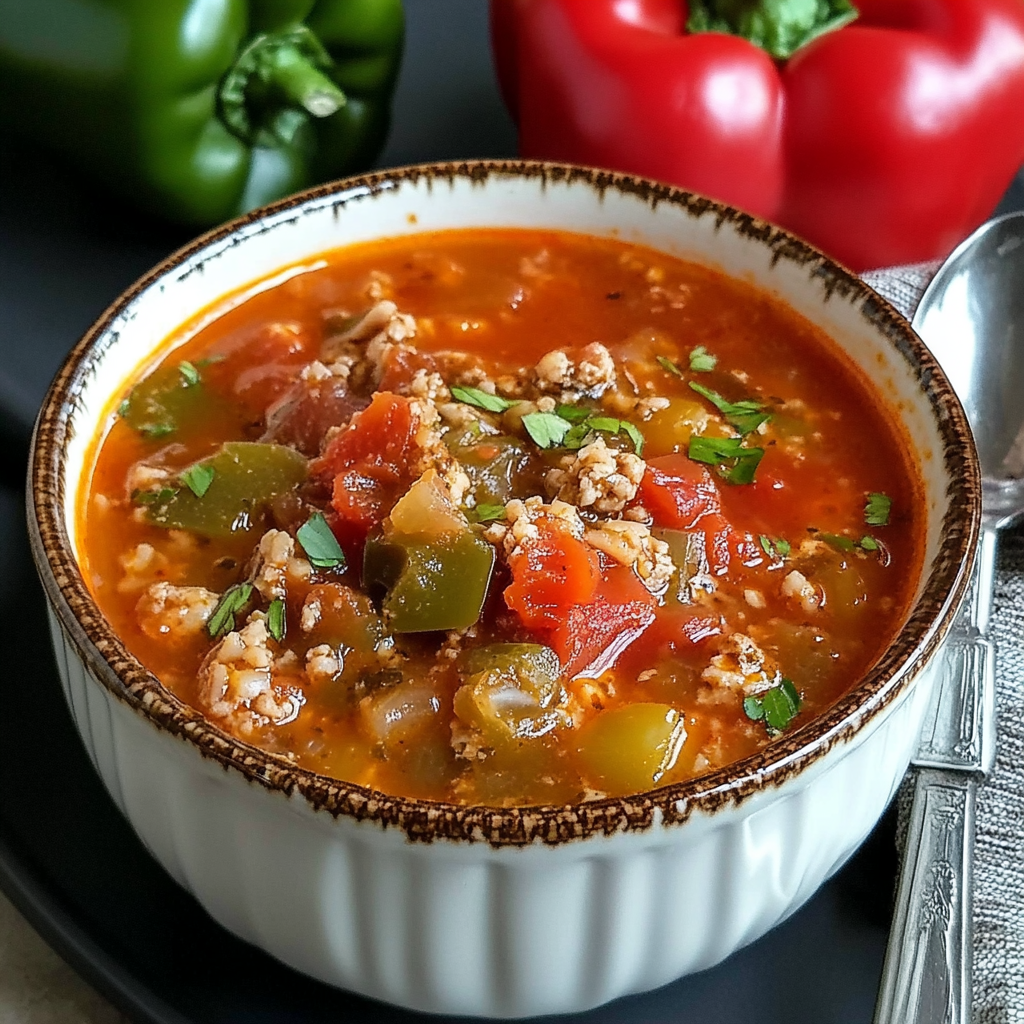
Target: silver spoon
<point x="972" y="318"/>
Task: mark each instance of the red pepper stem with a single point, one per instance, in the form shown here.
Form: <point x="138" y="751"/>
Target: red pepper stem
<point x="304" y="84"/>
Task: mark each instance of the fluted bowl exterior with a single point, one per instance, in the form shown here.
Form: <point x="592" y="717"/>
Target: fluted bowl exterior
<point x="499" y="912"/>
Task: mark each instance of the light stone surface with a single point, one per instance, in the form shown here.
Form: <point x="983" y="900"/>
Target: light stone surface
<point x="37" y="987"/>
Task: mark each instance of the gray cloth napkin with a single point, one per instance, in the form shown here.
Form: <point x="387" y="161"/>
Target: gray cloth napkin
<point x="999" y="850"/>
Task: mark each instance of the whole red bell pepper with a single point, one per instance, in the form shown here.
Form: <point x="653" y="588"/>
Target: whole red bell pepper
<point x="883" y="140"/>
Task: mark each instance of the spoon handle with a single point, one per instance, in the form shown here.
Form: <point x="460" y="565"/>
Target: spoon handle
<point x="959" y="728"/>
<point x="926" y="978"/>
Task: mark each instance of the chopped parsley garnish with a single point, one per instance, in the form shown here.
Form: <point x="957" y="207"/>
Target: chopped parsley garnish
<point x="578" y="435"/>
<point x="581" y="434"/>
<point x="489" y="513"/>
<point x="153" y="497"/>
<point x="837" y="541"/>
<point x="666" y="364"/>
<point x="702" y="361"/>
<point x="740" y="463"/>
<point x="545" y="428"/>
<point x="573" y="413"/>
<point x="198" y="478"/>
<point x="841" y="543"/>
<point x="746" y="415"/>
<point x="481" y="399"/>
<point x="877" y="509"/>
<point x="634" y="435"/>
<point x="232" y="601"/>
<point x="777" y="707"/>
<point x="277" y="622"/>
<point x="776" y="548"/>
<point x="122" y="409"/>
<point x="189" y="374"/>
<point x="321" y="546"/>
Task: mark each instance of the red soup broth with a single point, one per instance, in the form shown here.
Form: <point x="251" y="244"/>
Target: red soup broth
<point x="505" y="517"/>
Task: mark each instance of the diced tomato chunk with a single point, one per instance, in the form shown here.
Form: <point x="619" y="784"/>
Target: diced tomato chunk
<point x="679" y="492"/>
<point x="381" y="435"/>
<point x="402" y="366"/>
<point x="302" y="416"/>
<point x="369" y="464"/>
<point x="552" y="572"/>
<point x="592" y="636"/>
<point x="678" y="630"/>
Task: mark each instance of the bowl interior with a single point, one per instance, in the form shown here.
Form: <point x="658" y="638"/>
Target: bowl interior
<point x="243" y="258"/>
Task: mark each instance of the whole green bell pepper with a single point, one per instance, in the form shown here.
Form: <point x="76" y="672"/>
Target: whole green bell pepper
<point x="199" y="110"/>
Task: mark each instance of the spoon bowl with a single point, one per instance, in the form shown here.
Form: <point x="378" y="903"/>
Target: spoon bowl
<point x="972" y="318"/>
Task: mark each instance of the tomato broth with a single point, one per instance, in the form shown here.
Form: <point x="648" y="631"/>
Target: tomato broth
<point x="505" y="517"/>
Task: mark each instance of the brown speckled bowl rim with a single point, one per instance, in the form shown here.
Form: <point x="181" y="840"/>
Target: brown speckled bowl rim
<point x="424" y="820"/>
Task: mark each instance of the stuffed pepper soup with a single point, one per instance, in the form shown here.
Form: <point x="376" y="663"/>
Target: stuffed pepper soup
<point x="504" y="517"/>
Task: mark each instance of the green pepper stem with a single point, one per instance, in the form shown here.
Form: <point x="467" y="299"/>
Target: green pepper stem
<point x="304" y="84"/>
<point x="780" y="27"/>
<point x="276" y="81"/>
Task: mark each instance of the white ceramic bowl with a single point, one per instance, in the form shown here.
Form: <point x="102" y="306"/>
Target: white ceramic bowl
<point x="474" y="910"/>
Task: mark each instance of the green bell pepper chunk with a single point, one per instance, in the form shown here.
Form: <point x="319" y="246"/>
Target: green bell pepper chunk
<point x="534" y="667"/>
<point x="440" y="583"/>
<point x="689" y="553"/>
<point x="160" y="403"/>
<point x="246" y="476"/>
<point x="199" y="110"/>
<point x="498" y="468"/>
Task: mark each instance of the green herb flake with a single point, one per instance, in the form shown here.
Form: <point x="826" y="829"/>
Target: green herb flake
<point x="634" y="435"/>
<point x="489" y="513"/>
<point x="277" y="620"/>
<point x="232" y="601"/>
<point x="573" y="413"/>
<point x="729" y="453"/>
<point x="776" y="548"/>
<point x="837" y="541"/>
<point x="753" y="709"/>
<point x="666" y="364"/>
<point x="481" y="399"/>
<point x="606" y="424"/>
<point x="198" y="478"/>
<point x="701" y="361"/>
<point x="582" y="433"/>
<point x="781" y="704"/>
<point x="868" y="543"/>
<point x="746" y="415"/>
<point x="545" y="428"/>
<point x="153" y="497"/>
<point x="577" y="436"/>
<point x="189" y="373"/>
<point x="777" y="707"/>
<point x="877" y="509"/>
<point x="321" y="546"/>
<point x="122" y="409"/>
